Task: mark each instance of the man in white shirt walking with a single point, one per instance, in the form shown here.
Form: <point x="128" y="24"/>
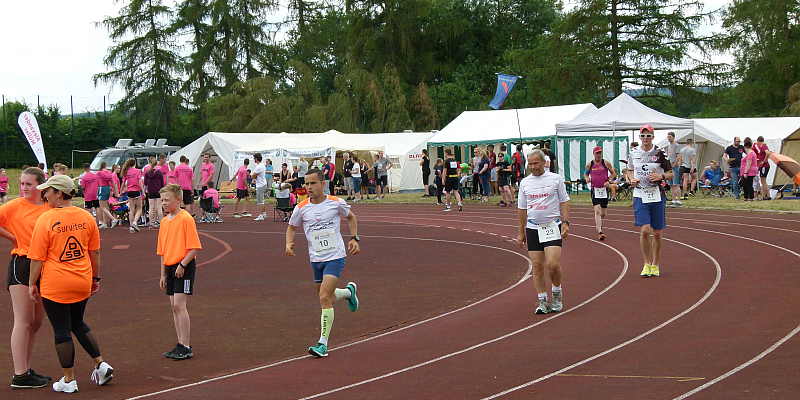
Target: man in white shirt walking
<point x="259" y="175"/>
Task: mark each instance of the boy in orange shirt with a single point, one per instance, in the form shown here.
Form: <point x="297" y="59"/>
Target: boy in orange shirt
<point x="178" y="245"/>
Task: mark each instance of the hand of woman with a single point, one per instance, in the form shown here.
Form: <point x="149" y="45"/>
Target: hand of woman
<point x="95" y="287"/>
<point x="33" y="291"/>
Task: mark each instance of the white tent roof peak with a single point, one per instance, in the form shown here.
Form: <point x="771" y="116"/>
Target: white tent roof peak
<point x="622" y="113"/>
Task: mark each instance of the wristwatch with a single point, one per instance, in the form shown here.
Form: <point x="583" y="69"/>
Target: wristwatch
<point x="96" y="279"/>
<point x="663" y="177"/>
<point x="356" y="238"/>
<point x="566" y="222"/>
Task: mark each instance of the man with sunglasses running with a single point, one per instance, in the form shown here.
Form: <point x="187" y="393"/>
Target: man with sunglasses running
<point x="648" y="167"/>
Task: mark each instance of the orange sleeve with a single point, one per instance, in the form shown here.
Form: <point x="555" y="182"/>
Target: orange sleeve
<point x="162" y="232"/>
<point x="5" y="209"/>
<point x="94" y="236"/>
<point x="40" y="241"/>
<point x="190" y="233"/>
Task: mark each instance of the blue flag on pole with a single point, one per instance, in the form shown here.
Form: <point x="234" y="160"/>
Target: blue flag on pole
<point x="504" y="85"/>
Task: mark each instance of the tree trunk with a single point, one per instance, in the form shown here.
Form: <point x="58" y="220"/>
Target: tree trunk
<point x="616" y="73"/>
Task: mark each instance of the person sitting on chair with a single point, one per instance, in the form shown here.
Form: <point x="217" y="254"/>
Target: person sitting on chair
<point x="212" y="193"/>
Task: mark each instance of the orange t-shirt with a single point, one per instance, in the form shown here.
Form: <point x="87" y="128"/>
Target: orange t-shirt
<point x="62" y="239"/>
<point x="176" y="237"/>
<point x="19" y="216"/>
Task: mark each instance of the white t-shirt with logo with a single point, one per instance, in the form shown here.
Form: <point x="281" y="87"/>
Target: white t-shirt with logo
<point x="321" y="223"/>
<point x="542" y="196"/>
<point x="645" y="163"/>
<point x="260" y="171"/>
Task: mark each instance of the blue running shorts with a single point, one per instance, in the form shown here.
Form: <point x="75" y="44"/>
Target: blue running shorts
<point x="331" y="267"/>
<point x="653" y="214"/>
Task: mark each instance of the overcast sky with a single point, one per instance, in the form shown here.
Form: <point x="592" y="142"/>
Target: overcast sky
<point x="52" y="49"/>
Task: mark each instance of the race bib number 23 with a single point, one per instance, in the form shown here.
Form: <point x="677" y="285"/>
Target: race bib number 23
<point x="549" y="232"/>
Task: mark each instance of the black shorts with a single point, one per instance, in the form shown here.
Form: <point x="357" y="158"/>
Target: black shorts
<point x="183" y="285"/>
<point x="2" y="194"/>
<point x="763" y="172"/>
<point x="91" y="204"/>
<point x="188" y="197"/>
<point x="502" y="180"/>
<point x="155" y="195"/>
<point x="19" y="271"/>
<point x="533" y="240"/>
<point x="242" y="193"/>
<point x="685" y="170"/>
<point x="450" y="184"/>
<point x="133" y="195"/>
<point x="602" y="202"/>
<point x="383" y="180"/>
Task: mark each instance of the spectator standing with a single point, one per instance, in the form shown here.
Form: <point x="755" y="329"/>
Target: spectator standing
<point x="90" y="185"/>
<point x="689" y="168"/>
<point x="206" y="172"/>
<point x="503" y="173"/>
<point x="133" y="186"/>
<point x="302" y="168"/>
<point x="326" y="170"/>
<point x="493" y="170"/>
<point x="749" y="170"/>
<point x="164" y="167"/>
<point x="476" y="174"/>
<point x="171" y="173"/>
<point x="259" y="175"/>
<point x="18" y="218"/>
<point x="154" y="181"/>
<point x="106" y="189"/>
<point x="242" y="191"/>
<point x="543" y="220"/>
<point x="549" y="153"/>
<point x="383" y="175"/>
<point x="451" y="180"/>
<point x="3" y="186"/>
<point x="269" y="172"/>
<point x="68" y="262"/>
<point x="438" y="171"/>
<point x="517" y="167"/>
<point x="425" y="163"/>
<point x="485" y="174"/>
<point x="733" y="155"/>
<point x="674" y="157"/>
<point x="347" y="172"/>
<point x="761" y="149"/>
<point x="376" y="171"/>
<point x="365" y="178"/>
<point x="184" y="176"/>
<point x="356" y="175"/>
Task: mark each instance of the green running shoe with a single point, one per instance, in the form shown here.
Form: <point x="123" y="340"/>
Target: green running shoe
<point x="352" y="302"/>
<point x="320" y="350"/>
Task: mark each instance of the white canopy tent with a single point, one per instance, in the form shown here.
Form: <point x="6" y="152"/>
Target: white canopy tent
<point x="622" y="115"/>
<point x="713" y="135"/>
<point x="221" y="147"/>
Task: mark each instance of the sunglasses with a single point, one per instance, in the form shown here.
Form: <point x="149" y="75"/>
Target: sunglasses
<point x="645" y="135"/>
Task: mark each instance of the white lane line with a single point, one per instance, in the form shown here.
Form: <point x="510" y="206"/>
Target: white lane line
<point x="523" y="279"/>
<point x="637" y="338"/>
<point x="497" y="339"/>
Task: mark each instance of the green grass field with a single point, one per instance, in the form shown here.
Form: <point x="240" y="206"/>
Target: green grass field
<point x="711" y="203"/>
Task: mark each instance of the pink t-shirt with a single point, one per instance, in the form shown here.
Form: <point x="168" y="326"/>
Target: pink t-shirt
<point x="89" y="183"/>
<point x="115" y="179"/>
<point x="145" y="169"/>
<point x="3" y="183"/>
<point x="241" y="178"/>
<point x="171" y="176"/>
<point x="104" y="177"/>
<point x="206" y="172"/>
<point x="133" y="178"/>
<point x="753" y="171"/>
<point x="165" y="172"/>
<point x="184" y="175"/>
<point x="214" y="194"/>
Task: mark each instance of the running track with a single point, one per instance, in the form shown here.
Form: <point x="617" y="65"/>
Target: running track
<point x="720" y="322"/>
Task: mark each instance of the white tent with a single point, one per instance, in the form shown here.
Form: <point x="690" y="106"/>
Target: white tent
<point x="405" y="151"/>
<point x="622" y="115"/>
<point x="713" y="135"/>
<point x="221" y="147"/>
<point x="791" y="148"/>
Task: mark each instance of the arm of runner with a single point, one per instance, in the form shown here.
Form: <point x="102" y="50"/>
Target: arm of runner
<point x="186" y="260"/>
<point x="94" y="256"/>
<point x="6" y="234"/>
<point x="522" y="219"/>
<point x="564" y="207"/>
<point x="36" y="270"/>
<point x="352" y="245"/>
<point x="290" y="232"/>
<point x="611" y="171"/>
<point x="586" y="176"/>
<point x="163" y="281"/>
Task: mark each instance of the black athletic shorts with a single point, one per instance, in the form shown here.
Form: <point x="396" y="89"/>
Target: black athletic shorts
<point x="242" y="193"/>
<point x="133" y="195"/>
<point x="2" y="194"/>
<point x="19" y="271"/>
<point x="602" y="202"/>
<point x="181" y="285"/>
<point x="450" y="184"/>
<point x="155" y="195"/>
<point x="91" y="204"/>
<point x="383" y="180"/>
<point x="188" y="197"/>
<point x="533" y="240"/>
<point x="763" y="171"/>
<point x="686" y="170"/>
<point x="502" y="180"/>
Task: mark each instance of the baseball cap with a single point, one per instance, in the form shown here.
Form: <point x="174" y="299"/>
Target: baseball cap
<point x="646" y="127"/>
<point x="61" y="183"/>
<point x="597" y="149"/>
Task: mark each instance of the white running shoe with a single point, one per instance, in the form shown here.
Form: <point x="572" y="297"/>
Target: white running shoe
<point x="102" y="374"/>
<point x="236" y="215"/>
<point x="135" y="226"/>
<point x="130" y="230"/>
<point x="114" y="222"/>
<point x="64" y="387"/>
<point x="102" y="226"/>
<point x="260" y="217"/>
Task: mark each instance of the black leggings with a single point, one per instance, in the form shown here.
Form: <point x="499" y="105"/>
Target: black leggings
<point x="67" y="319"/>
<point x="439" y="188"/>
<point x="747" y="186"/>
<point x="476" y="182"/>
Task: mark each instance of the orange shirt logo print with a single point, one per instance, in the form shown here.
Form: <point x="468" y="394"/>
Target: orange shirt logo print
<point x="72" y="250"/>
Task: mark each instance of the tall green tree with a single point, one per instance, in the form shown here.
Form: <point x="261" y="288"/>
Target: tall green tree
<point x="193" y="18"/>
<point x="145" y="60"/>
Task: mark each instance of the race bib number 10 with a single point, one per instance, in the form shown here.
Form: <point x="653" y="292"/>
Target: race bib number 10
<point x="651" y="195"/>
<point x="549" y="232"/>
<point x="324" y="242"/>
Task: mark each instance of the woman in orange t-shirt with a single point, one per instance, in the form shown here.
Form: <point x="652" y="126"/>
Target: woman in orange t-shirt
<point x="17" y="218"/>
<point x="65" y="250"/>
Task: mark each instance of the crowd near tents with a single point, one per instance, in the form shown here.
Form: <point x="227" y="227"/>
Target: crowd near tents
<point x="574" y="130"/>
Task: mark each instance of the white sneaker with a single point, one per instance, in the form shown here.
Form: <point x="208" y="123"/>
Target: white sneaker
<point x="114" y="222"/>
<point x="102" y="374"/>
<point x="237" y="216"/>
<point x="135" y="226"/>
<point x="102" y="226"/>
<point x="678" y="202"/>
<point x="261" y="217"/>
<point x="130" y="230"/>
<point x="64" y="387"/>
